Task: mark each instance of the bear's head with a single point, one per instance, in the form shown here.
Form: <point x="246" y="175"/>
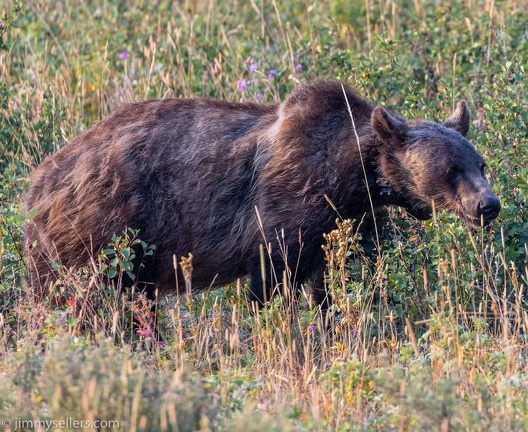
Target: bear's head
<point x="427" y="163"/>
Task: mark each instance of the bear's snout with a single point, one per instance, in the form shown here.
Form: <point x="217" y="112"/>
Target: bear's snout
<point x="481" y="209"/>
<point x="489" y="208"/>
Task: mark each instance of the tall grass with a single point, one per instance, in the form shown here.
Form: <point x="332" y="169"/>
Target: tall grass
<point x="428" y="327"/>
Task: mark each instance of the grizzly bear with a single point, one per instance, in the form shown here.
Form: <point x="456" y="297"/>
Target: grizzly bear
<point x="220" y="179"/>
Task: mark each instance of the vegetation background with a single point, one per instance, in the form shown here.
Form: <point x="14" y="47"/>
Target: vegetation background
<point x="430" y="323"/>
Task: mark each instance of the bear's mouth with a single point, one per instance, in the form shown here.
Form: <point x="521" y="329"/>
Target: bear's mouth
<point x="482" y="219"/>
<point x="475" y="222"/>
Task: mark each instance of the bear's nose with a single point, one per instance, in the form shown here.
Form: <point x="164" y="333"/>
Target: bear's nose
<point x="489" y="207"/>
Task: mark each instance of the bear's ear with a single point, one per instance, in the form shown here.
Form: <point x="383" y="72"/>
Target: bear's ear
<point x="460" y="119"/>
<point x="390" y="130"/>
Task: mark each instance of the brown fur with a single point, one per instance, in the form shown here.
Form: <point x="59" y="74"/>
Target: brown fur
<point x="189" y="175"/>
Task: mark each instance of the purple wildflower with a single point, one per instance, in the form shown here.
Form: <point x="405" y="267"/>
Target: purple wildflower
<point x="61" y="320"/>
<point x="271" y="74"/>
<point x="242" y="84"/>
<point x="313" y="327"/>
<point x="253" y="67"/>
<point x="123" y="55"/>
<point x="355" y="331"/>
<point x="259" y="96"/>
<point x="298" y="67"/>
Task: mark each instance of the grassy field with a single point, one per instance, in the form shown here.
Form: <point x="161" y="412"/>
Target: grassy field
<point x="429" y="329"/>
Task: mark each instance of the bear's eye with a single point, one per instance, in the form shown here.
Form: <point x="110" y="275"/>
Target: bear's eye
<point x="453" y="170"/>
<point x="482" y="168"/>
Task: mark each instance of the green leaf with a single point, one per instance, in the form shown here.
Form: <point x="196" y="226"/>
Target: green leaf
<point x="33" y="213"/>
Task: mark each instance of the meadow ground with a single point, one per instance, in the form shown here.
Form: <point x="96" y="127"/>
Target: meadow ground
<point x="429" y="326"/>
